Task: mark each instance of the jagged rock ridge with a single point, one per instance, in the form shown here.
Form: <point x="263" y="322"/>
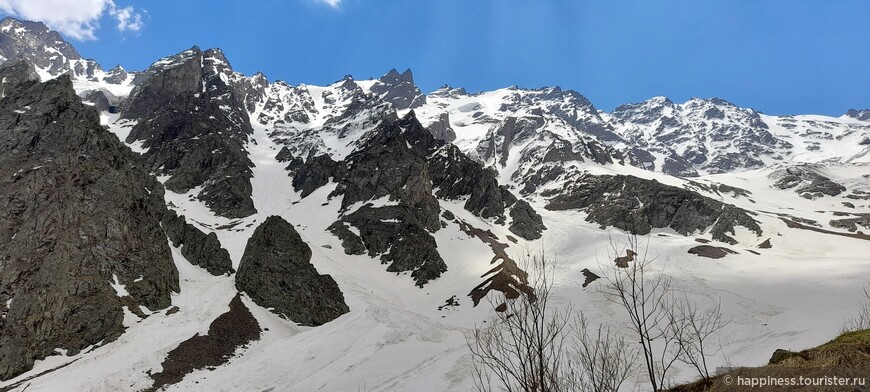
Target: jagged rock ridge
<point x="80" y="236"/>
<point x="191" y="117"/>
<point x="403" y="164"/>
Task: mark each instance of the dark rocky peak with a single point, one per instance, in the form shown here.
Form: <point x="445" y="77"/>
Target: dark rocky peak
<point x="276" y="272"/>
<point x="441" y="129"/>
<point x="720" y="102"/>
<point x="15" y="74"/>
<point x="392" y="163"/>
<point x="446" y="91"/>
<point x="116" y="75"/>
<point x="44" y="48"/>
<point x="404" y="166"/>
<point x="394" y="77"/>
<point x="645" y="112"/>
<point x="103" y="241"/>
<point x="191" y="114"/>
<point x="698" y="136"/>
<point x="863" y="115"/>
<point x="399" y="90"/>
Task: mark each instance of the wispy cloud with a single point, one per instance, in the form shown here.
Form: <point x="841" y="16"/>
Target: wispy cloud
<point x="331" y="3"/>
<point x="76" y="19"/>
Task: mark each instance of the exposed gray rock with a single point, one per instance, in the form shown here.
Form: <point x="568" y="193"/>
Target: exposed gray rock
<point x="853" y="224"/>
<point x="195" y="126"/>
<point x="638" y="205"/>
<point x="276" y="272"/>
<point x="284" y="155"/>
<point x="399" y="90"/>
<point x="43" y="48"/>
<point x="15" y="74"/>
<point x="863" y="115"/>
<point x="455" y="176"/>
<point x="99" y="99"/>
<point x="399" y="236"/>
<point x="441" y="129"/>
<point x="116" y="75"/>
<point x="806" y="181"/>
<point x="352" y="243"/>
<point x="403" y="162"/>
<point x="317" y="172"/>
<point x="698" y="135"/>
<point x="197" y="247"/>
<point x="525" y="221"/>
<point x="79" y="215"/>
<point x="710" y="251"/>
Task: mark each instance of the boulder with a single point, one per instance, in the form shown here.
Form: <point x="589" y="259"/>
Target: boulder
<point x="276" y="272"/>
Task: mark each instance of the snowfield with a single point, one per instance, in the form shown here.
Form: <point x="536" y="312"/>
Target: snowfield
<point x="795" y="295"/>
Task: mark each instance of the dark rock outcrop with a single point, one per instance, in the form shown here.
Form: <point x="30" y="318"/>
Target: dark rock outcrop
<point x="399" y="90"/>
<point x="441" y="129"/>
<point x="402" y="162"/>
<point x="80" y="234"/>
<point x="638" y="205"/>
<point x="806" y="181"/>
<point x="44" y="48"/>
<point x="525" y="221"/>
<point x="100" y="100"/>
<point x="710" y="251"/>
<point x="226" y="334"/>
<point x="276" y="272"/>
<point x="852" y="224"/>
<point x="194" y="124"/>
<point x="197" y="247"/>
<point x="863" y="115"/>
<point x="14" y="74"/>
<point x="397" y="234"/>
<point x="317" y="172"/>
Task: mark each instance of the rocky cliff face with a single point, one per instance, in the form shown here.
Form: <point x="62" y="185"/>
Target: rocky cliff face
<point x="399" y="90"/>
<point x="15" y="74"/>
<point x="521" y="132"/>
<point x="80" y="235"/>
<point x="863" y="115"/>
<point x="637" y="206"/>
<point x="43" y="48"/>
<point x="192" y="119"/>
<point x="197" y="247"/>
<point x="701" y="135"/>
<point x="276" y="272"/>
<point x="403" y="167"/>
<point x="807" y="181"/>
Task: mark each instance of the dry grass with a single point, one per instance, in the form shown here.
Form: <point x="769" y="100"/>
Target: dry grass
<point x="846" y="356"/>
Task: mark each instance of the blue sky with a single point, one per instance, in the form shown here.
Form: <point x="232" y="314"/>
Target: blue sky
<point x="778" y="56"/>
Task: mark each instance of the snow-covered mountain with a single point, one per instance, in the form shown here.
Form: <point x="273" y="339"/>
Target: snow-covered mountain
<point x="225" y="232"/>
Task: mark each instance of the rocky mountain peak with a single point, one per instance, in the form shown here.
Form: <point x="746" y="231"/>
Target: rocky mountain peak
<point x="863" y="115"/>
<point x="45" y="49"/>
<point x="190" y="100"/>
<point x="698" y="136"/>
<point x="399" y="90"/>
<point x="69" y="282"/>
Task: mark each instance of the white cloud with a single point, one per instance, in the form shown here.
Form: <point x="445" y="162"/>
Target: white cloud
<point x="331" y="3"/>
<point x="76" y="19"/>
<point x="128" y="19"/>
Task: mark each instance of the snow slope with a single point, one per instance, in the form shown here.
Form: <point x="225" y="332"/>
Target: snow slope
<point x="396" y="338"/>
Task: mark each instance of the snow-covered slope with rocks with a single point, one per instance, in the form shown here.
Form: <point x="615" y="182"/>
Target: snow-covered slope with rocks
<point x="413" y="218"/>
